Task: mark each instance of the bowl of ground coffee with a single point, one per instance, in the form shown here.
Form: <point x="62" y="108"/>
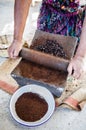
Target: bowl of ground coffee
<point x="32" y="105"/>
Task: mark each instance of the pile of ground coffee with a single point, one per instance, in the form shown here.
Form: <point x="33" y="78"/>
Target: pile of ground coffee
<point x="51" y="47"/>
<point x="31" y="107"/>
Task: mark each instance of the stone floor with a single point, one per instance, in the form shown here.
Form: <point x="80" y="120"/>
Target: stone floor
<point x="62" y="118"/>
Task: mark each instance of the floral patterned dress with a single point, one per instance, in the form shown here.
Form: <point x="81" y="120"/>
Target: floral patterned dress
<point x="61" y="17"/>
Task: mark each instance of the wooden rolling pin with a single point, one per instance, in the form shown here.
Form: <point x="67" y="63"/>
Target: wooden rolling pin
<point x="44" y="59"/>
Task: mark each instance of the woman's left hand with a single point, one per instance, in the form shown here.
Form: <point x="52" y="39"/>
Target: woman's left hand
<point x="76" y="67"/>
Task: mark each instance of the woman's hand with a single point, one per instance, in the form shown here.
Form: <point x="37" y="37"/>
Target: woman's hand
<point x="76" y="67"/>
<point x="14" y="49"/>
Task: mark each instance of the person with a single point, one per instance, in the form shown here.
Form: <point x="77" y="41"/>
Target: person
<point x="65" y="17"/>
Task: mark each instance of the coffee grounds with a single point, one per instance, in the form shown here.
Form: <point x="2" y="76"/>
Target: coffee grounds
<point x="51" y="47"/>
<point x="31" y="107"/>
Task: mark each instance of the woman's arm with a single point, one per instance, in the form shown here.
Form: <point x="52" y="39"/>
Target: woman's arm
<point x="81" y="51"/>
<point x="77" y="63"/>
<point x="21" y="9"/>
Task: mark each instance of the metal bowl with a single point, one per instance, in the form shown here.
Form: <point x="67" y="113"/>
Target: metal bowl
<point x="44" y="92"/>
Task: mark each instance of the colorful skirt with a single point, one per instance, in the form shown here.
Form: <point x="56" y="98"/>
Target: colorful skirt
<point x="61" y="17"/>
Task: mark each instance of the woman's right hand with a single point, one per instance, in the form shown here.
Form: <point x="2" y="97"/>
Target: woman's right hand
<point x="14" y="49"/>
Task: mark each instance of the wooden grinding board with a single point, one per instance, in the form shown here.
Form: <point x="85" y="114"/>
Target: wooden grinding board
<point x="67" y="42"/>
<point x="8" y="84"/>
<point x="54" y="78"/>
<point x="40" y="73"/>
